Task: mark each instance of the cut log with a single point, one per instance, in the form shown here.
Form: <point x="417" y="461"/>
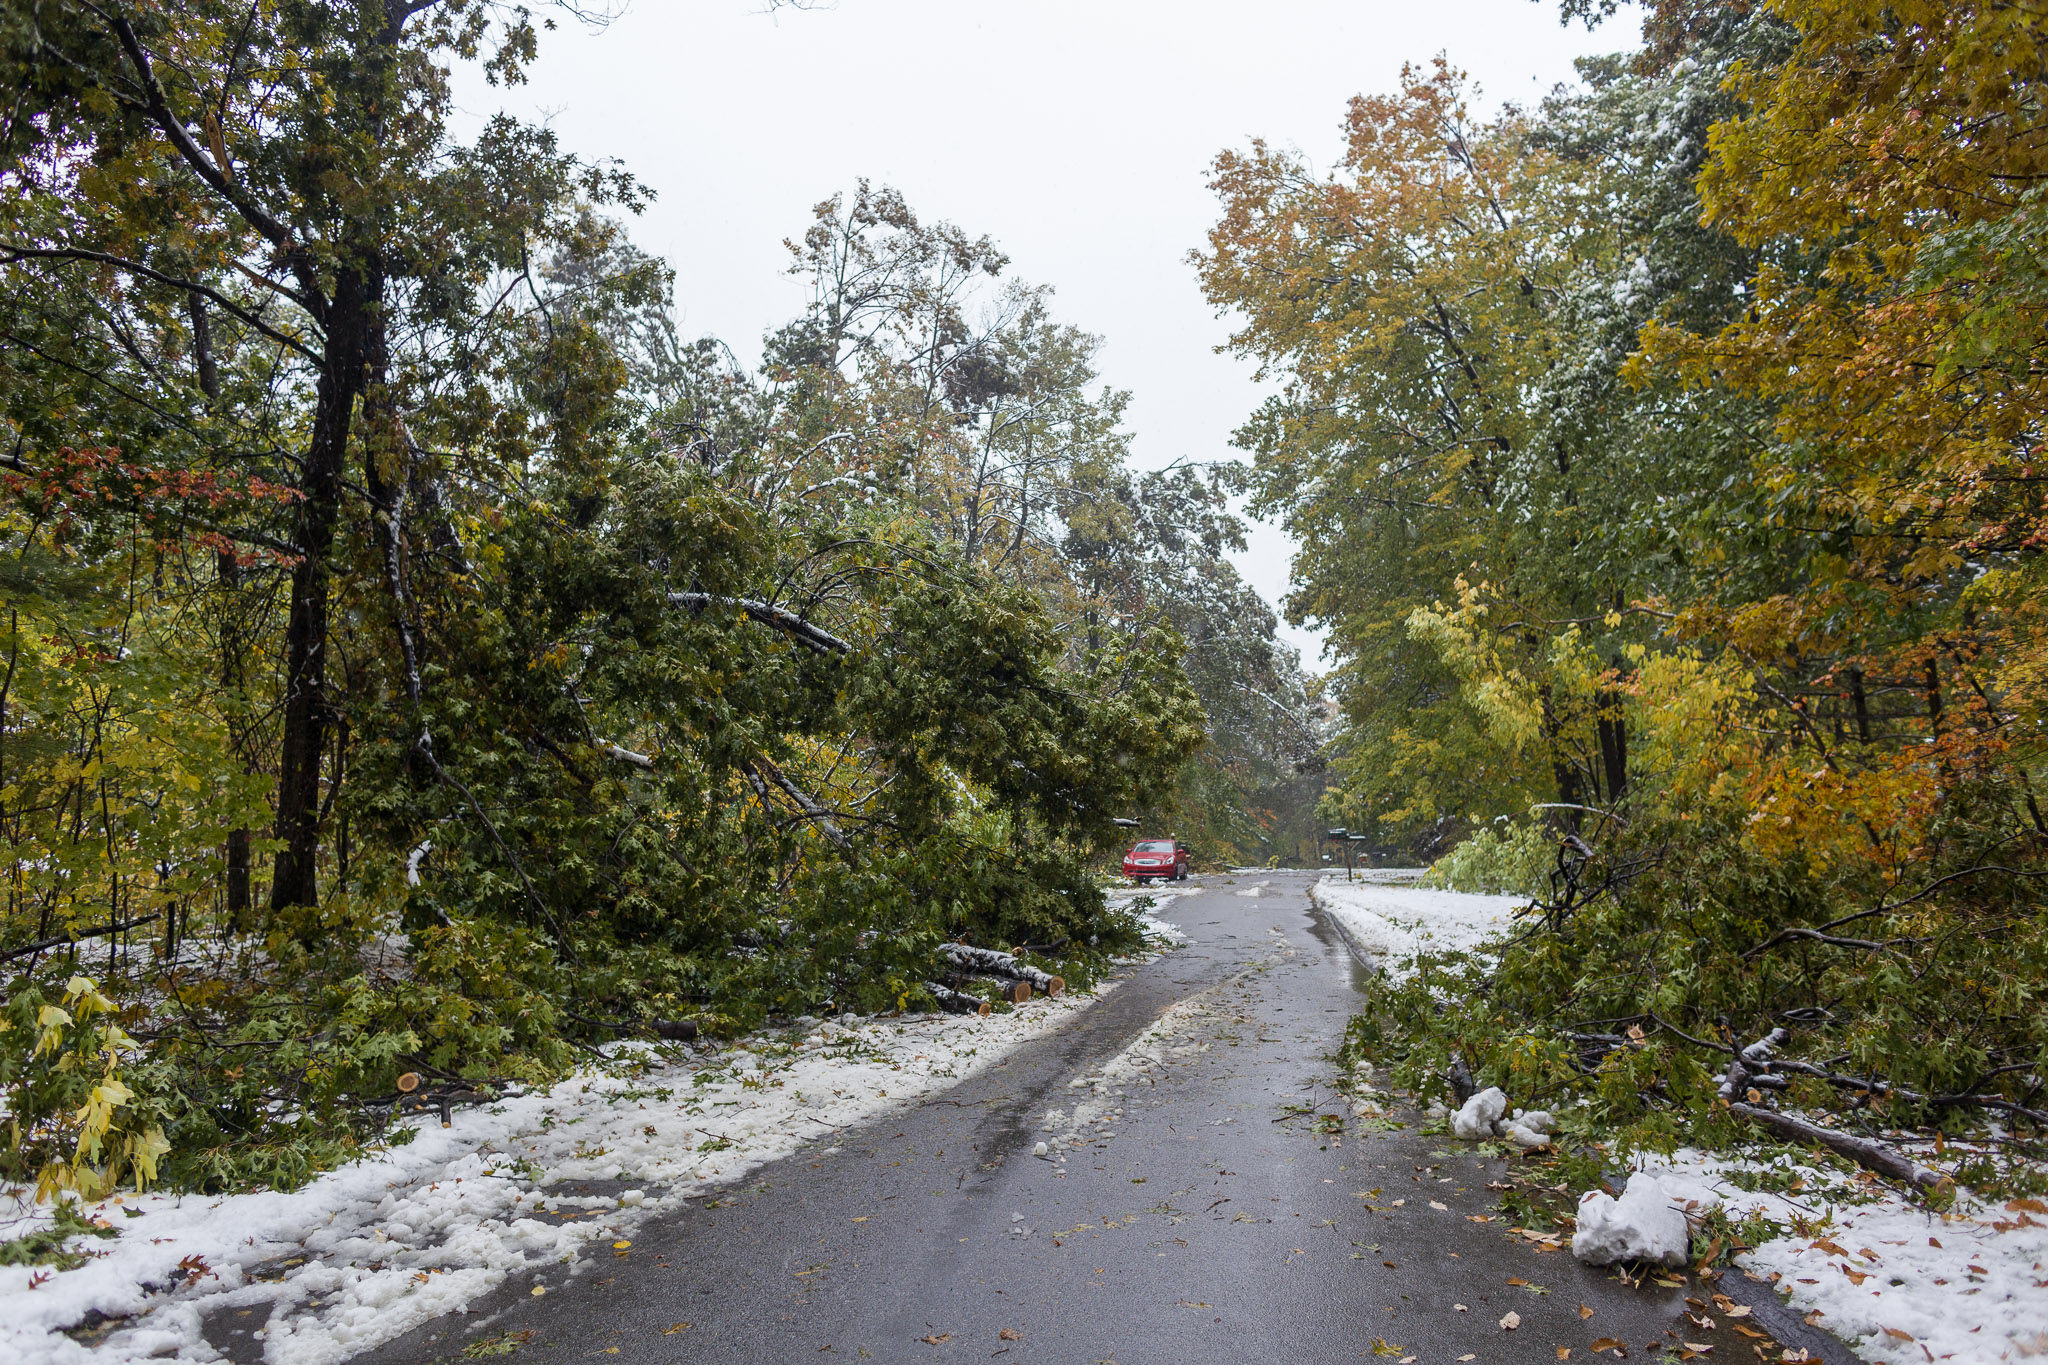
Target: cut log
<point x="956" y="1002"/>
<point x="989" y="962"/>
<point x="674" y="1030"/>
<point x="1872" y="1155"/>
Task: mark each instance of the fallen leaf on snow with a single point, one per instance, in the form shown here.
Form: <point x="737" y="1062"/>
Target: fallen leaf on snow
<point x="1896" y="1335"/>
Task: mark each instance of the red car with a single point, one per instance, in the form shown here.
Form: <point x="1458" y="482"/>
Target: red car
<point x="1166" y="859"/>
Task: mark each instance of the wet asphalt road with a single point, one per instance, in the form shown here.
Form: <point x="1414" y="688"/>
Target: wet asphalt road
<point x="1207" y="1218"/>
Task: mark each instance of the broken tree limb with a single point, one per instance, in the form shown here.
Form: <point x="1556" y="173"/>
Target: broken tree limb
<point x="1748" y="1066"/>
<point x="811" y="809"/>
<point x="1874" y="1156"/>
<point x="674" y="1030"/>
<point x="623" y="755"/>
<point x="789" y="623"/>
<point x="956" y="1002"/>
<point x="989" y="962"/>
<point x="78" y="935"/>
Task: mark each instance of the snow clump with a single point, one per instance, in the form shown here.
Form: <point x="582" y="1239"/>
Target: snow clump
<point x="1480" y="1114"/>
<point x="1526" y="1130"/>
<point x="1648" y="1223"/>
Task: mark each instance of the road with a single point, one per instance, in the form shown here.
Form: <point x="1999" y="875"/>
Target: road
<point x="1208" y="1216"/>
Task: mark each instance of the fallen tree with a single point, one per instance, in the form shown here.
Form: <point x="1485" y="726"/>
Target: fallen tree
<point x="989" y="962"/>
<point x="957" y="1002"/>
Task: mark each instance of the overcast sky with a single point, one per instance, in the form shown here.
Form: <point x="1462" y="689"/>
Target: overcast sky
<point x="1077" y="133"/>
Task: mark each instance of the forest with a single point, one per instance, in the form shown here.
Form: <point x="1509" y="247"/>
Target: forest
<point x="425" y="665"/>
<point x="1666" y="459"/>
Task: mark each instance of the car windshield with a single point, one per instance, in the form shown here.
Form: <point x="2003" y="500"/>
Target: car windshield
<point x="1155" y="846"/>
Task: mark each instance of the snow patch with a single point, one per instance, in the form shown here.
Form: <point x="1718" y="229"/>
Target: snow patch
<point x="1393" y="924"/>
<point x="1886" y="1274"/>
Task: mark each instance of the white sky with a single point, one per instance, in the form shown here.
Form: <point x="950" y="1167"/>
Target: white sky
<point x="1077" y="133"/>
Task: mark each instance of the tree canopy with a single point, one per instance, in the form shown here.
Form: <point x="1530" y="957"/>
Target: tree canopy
<point x="1666" y="457"/>
<point x="388" y="582"/>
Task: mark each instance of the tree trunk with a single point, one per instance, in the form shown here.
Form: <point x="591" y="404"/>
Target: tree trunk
<point x="306" y="705"/>
<point x="1562" y="769"/>
<point x="1613" y="734"/>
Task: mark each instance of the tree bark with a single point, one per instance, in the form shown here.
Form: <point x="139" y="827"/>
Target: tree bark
<point x="956" y="1002"/>
<point x="989" y="962"/>
<point x="307" y="710"/>
<point x="1871" y="1155"/>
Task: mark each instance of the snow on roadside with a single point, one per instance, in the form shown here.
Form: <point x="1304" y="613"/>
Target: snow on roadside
<point x="1900" y="1283"/>
<point x="1151" y="898"/>
<point x="1391" y="924"/>
<point x="365" y="1253"/>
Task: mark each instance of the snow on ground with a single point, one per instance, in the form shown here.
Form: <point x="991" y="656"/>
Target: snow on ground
<point x="1391" y="924"/>
<point x="366" y="1253"/>
<point x="1901" y="1283"/>
<point x="1145" y="899"/>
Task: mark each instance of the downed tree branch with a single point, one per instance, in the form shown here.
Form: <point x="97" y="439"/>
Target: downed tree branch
<point x="1874" y="1156"/>
<point x="811" y="809"/>
<point x="1750" y="1067"/>
<point x="1783" y="935"/>
<point x="611" y="750"/>
<point x="789" y="623"/>
<point x="989" y="962"/>
<point x="79" y="935"/>
<point x="956" y="1002"/>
